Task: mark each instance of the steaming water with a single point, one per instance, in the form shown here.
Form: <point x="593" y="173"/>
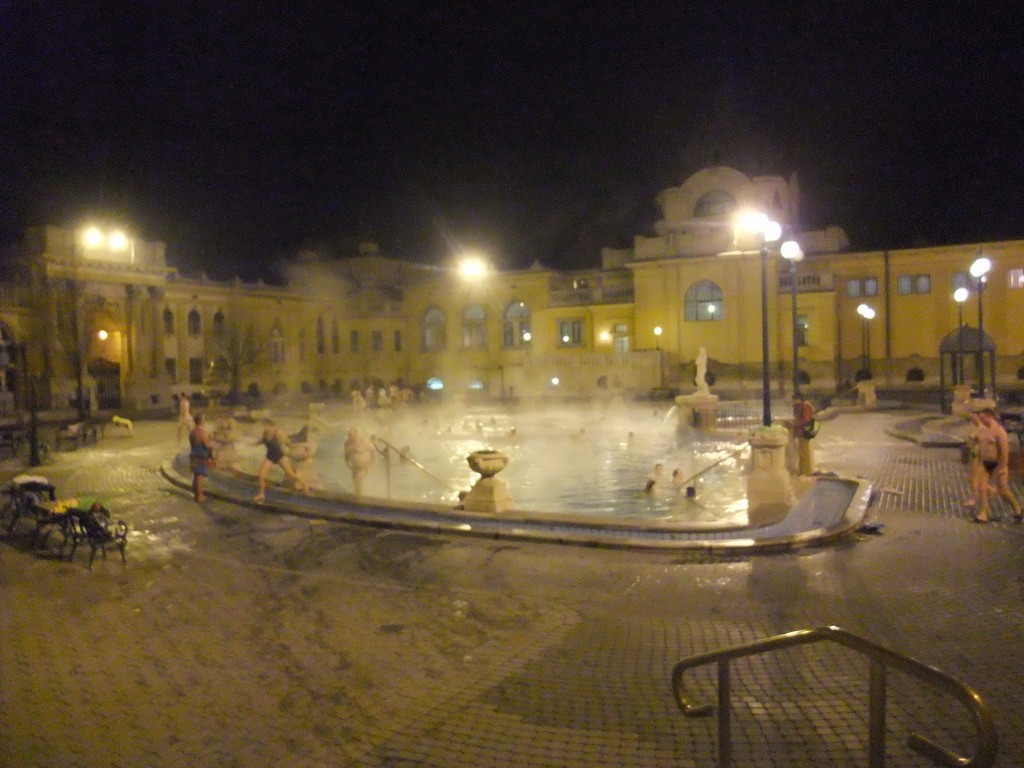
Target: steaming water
<point x="586" y="461"/>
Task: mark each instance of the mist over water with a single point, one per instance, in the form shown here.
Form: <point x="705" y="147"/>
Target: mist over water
<point x="586" y="460"/>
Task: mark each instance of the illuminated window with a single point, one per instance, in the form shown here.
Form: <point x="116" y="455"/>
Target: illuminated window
<point x="434" y="329"/>
<point x="911" y="284"/>
<point x="474" y="327"/>
<point x="703" y="302"/>
<point x="570" y="333"/>
<point x="1015" y="278"/>
<point x="276" y="346"/>
<point x="862" y="286"/>
<point x="516" y="327"/>
<point x="195" y="324"/>
<point x="620" y="338"/>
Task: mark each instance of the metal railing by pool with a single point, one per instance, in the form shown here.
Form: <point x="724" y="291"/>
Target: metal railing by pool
<point x="881" y="659"/>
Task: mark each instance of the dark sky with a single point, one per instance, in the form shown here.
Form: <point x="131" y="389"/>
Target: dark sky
<point x="240" y="133"/>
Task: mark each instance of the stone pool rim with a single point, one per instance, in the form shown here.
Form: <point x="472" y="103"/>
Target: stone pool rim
<point x="580" y="530"/>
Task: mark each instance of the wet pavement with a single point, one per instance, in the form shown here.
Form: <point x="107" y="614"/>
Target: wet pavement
<point x="236" y="636"/>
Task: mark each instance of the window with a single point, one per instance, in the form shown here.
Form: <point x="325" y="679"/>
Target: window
<point x="910" y="284"/>
<point x="862" y="286"/>
<point x="276" y="346"/>
<point x="1015" y="278"/>
<point x="620" y="338"/>
<point x="570" y="333"/>
<point x="378" y="341"/>
<point x="321" y="339"/>
<point x="195" y="370"/>
<point x="962" y="280"/>
<point x="434" y="329"/>
<point x="803" y="329"/>
<point x="715" y="203"/>
<point x="171" y="367"/>
<point x="703" y="302"/>
<point x="218" y="323"/>
<point x="195" y="325"/>
<point x="516" y="327"/>
<point x="335" y="341"/>
<point x="353" y="341"/>
<point x="168" y="321"/>
<point x="398" y="341"/>
<point x="474" y="327"/>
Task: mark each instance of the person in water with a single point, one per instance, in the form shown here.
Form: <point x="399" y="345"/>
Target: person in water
<point x="276" y="444"/>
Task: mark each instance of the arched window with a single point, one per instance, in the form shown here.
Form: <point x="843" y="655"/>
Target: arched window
<point x="335" y="341"/>
<point x="474" y="327"/>
<point x="195" y="325"/>
<point x="218" y="323"/>
<point x="168" y="321"/>
<point x="703" y="301"/>
<point x="434" y="329"/>
<point x="516" y="327"/>
<point x="321" y="339"/>
<point x="276" y="346"/>
<point x="717" y="202"/>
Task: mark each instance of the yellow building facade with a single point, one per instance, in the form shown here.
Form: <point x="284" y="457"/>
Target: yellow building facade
<point x="96" y="310"/>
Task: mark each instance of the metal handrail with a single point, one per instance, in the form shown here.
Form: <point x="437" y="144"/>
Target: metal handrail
<point x="881" y="658"/>
<point x="405" y="457"/>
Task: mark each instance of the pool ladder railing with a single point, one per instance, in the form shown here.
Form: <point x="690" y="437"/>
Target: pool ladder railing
<point x="386" y="452"/>
<point x="881" y="659"/>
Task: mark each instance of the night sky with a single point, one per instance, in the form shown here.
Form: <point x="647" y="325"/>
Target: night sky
<point x="241" y="133"/>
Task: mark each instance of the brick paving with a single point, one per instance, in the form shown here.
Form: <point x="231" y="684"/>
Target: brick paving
<point x="239" y="637"/>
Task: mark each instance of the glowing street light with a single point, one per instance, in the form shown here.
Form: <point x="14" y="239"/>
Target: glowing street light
<point x="792" y="252"/>
<point x="770" y="231"/>
<point x="118" y="241"/>
<point x="657" y="337"/>
<point x="92" y="237"/>
<point x="979" y="271"/>
<point x="866" y="313"/>
<point x="102" y="335"/>
<point x="960" y="296"/>
<point x="472" y="267"/>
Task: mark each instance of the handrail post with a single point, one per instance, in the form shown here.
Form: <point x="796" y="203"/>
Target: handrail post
<point x="724" y="711"/>
<point x="387" y="468"/>
<point x="876" y="714"/>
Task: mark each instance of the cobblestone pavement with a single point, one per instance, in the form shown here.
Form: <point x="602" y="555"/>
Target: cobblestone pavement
<point x="240" y="637"/>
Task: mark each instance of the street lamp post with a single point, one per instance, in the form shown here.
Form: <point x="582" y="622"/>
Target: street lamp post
<point x="792" y="252"/>
<point x="770" y="231"/>
<point x="959" y="296"/>
<point x="979" y="271"/>
<point x="866" y="313"/>
<point x="661" y="361"/>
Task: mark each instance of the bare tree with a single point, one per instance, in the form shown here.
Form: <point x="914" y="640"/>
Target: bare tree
<point x="241" y="349"/>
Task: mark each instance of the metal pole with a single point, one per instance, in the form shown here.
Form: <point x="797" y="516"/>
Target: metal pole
<point x="796" y="343"/>
<point x="981" y="336"/>
<point x="958" y="372"/>
<point x="864" y="346"/>
<point x="766" y="394"/>
<point x="33" y="429"/>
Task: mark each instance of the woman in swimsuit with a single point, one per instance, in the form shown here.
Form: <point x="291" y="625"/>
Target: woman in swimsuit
<point x="275" y="443"/>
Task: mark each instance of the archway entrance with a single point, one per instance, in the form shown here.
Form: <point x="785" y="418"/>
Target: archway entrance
<point x="107" y="376"/>
<point x="963" y="355"/>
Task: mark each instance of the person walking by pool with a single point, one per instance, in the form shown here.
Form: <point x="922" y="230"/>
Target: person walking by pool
<point x="359" y="457"/>
<point x="276" y="444"/>
<point x="976" y="474"/>
<point x="804" y="430"/>
<point x="994" y="451"/>
<point x="200" y="456"/>
<point x="185" y="422"/>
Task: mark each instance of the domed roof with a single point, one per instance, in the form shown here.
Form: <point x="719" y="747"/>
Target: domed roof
<point x="967" y="341"/>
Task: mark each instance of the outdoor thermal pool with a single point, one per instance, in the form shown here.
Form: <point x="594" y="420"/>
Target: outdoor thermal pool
<point x="582" y="460"/>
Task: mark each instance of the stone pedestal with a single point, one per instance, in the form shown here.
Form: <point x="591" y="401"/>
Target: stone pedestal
<point x="489" y="495"/>
<point x="769" y="488"/>
<point x="698" y="410"/>
<point x="866" y="395"/>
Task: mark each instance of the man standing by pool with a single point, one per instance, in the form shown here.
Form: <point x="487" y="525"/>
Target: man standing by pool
<point x="994" y="451"/>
